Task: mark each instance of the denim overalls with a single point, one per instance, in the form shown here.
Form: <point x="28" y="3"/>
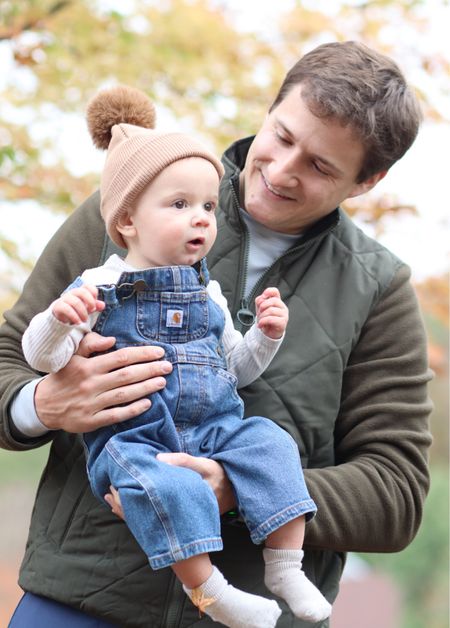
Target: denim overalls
<point x="172" y="511"/>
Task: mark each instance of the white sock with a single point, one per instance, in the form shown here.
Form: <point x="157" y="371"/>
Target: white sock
<point x="232" y="607"/>
<point x="284" y="577"/>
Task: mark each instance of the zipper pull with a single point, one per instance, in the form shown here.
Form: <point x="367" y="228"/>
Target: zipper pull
<point x="245" y="316"/>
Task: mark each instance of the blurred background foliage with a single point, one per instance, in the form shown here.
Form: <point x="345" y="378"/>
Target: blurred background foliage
<point x="215" y="77"/>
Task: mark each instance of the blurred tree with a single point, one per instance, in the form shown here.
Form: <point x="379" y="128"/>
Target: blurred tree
<point x="186" y="54"/>
<point x="433" y="294"/>
<point x="422" y="569"/>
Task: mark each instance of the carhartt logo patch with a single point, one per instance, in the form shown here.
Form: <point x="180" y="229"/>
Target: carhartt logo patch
<point x="174" y="318"/>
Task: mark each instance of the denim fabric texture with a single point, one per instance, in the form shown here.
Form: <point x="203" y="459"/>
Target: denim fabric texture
<point x="172" y="511"/>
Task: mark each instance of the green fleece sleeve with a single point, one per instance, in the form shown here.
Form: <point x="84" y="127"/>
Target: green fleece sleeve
<point x="77" y="245"/>
<point x="372" y="500"/>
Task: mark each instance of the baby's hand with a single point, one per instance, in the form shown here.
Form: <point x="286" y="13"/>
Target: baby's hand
<point x="74" y="306"/>
<point x="271" y="313"/>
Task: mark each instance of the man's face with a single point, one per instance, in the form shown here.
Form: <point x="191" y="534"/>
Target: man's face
<point x="300" y="167"/>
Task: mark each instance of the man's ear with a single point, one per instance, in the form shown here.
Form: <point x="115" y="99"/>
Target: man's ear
<point x="125" y="225"/>
<point x="368" y="184"/>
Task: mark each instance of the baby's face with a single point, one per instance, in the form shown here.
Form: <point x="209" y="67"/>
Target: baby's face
<point x="174" y="221"/>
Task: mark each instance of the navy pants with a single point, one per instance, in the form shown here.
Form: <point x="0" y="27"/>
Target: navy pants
<point x="34" y="611"/>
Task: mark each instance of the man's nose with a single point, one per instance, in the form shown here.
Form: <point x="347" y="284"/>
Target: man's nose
<point x="283" y="172"/>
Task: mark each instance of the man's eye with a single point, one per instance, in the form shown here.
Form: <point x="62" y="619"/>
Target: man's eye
<point x="319" y="169"/>
<point x="283" y="139"/>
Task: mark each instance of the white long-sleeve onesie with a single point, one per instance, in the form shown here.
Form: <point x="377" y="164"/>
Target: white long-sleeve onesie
<point x="49" y="344"/>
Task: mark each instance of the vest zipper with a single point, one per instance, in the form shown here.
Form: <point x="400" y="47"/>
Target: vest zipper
<point x="256" y="288"/>
<point x="176" y="600"/>
<point x="244" y="314"/>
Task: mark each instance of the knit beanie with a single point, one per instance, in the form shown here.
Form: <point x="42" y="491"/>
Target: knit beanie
<point x="122" y="119"/>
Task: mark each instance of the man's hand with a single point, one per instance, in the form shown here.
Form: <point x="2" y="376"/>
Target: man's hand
<point x="113" y="500"/>
<point x="91" y="392"/>
<point x="210" y="470"/>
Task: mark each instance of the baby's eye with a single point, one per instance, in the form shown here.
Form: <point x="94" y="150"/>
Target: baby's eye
<point x="209" y="207"/>
<point x="181" y="204"/>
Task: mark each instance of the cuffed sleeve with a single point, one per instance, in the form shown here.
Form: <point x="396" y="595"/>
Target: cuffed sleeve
<point x="49" y="344"/>
<point x="23" y="413"/>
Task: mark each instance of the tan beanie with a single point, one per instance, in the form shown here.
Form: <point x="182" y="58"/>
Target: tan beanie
<point x="121" y="119"/>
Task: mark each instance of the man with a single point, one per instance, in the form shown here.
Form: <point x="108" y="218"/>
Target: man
<point x="349" y="383"/>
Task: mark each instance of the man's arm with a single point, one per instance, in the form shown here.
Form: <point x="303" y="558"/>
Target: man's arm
<point x="78" y="243"/>
<point x="372" y="500"/>
<point x="79" y="397"/>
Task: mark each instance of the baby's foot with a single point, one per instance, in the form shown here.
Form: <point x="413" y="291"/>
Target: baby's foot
<point x="232" y="607"/>
<point x="284" y="577"/>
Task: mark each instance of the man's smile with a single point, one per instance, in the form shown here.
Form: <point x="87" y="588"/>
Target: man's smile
<point x="274" y="190"/>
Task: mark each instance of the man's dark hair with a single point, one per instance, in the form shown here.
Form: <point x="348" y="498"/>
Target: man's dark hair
<point x="363" y="89"/>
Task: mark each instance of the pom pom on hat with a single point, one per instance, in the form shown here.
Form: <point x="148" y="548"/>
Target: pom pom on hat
<point x="122" y="119"/>
<point x="114" y="106"/>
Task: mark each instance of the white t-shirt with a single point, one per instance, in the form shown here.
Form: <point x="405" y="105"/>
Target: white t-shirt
<point x="265" y="247"/>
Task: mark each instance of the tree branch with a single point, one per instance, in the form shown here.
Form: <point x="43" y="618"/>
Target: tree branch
<point x="36" y="23"/>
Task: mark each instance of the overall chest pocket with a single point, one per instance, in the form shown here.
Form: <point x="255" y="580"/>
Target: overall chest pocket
<point x="172" y="317"/>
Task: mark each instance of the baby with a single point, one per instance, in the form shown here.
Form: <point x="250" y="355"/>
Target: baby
<point x="159" y="192"/>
